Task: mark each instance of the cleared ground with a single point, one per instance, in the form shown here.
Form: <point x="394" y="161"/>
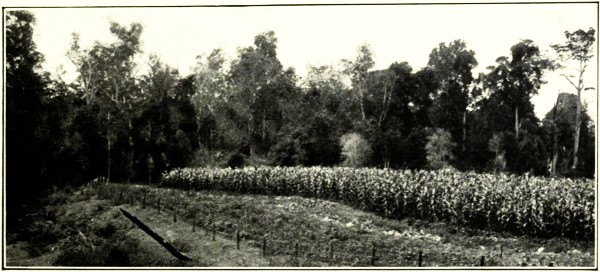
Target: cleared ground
<point x="91" y="228"/>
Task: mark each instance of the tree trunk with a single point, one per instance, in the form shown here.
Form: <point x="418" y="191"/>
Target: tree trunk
<point x="553" y="163"/>
<point x="264" y="129"/>
<point x="131" y="146"/>
<point x="361" y="94"/>
<point x="577" y="128"/>
<point x="108" y="146"/>
<point x="464" y="130"/>
<point x="554" y="139"/>
<point x="250" y="133"/>
<point x="362" y="107"/>
<point x="517" y="122"/>
<point x="210" y="140"/>
<point x="150" y="168"/>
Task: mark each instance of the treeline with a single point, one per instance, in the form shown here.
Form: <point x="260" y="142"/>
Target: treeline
<point x="250" y="110"/>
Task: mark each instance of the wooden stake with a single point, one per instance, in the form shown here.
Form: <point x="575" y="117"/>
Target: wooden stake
<point x="214" y="231"/>
<point x="174" y="215"/>
<point x="237" y="239"/>
<point x="482" y="262"/>
<point x="194" y="224"/>
<point x="330" y="250"/>
<point x="420" y="258"/>
<point x="264" y="247"/>
<point x="373" y="250"/>
<point x="296" y="251"/>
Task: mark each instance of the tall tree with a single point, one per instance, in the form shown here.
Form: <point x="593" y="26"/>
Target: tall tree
<point x="153" y="126"/>
<point x="25" y="142"/>
<point x="386" y="105"/>
<point x="210" y="97"/>
<point x="558" y="124"/>
<point x="507" y="107"/>
<point x="358" y="71"/>
<point x="322" y="112"/>
<point x="513" y="81"/>
<point x="452" y="65"/>
<point x="256" y="82"/>
<point x="577" y="48"/>
<point x="106" y="76"/>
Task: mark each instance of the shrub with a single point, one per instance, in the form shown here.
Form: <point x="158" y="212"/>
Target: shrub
<point x="356" y="151"/>
<point x="236" y="160"/>
<point x="439" y="149"/>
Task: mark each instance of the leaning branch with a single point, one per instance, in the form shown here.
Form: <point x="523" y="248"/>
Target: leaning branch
<point x="570" y="81"/>
<point x="155" y="236"/>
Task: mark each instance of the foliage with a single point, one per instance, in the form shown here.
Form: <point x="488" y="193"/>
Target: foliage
<point x="506" y="108"/>
<point x="356" y="151"/>
<point x="358" y="70"/>
<point x="579" y="47"/>
<point x="523" y="205"/>
<point x="30" y="149"/>
<point x="439" y="149"/>
<point x="452" y="65"/>
<point x="496" y="145"/>
<point x="558" y="124"/>
<point x="259" y="87"/>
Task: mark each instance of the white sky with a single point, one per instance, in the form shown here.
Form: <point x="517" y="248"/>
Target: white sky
<point x="326" y="34"/>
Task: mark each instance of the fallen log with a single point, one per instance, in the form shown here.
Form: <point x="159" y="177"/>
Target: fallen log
<point x="155" y="236"/>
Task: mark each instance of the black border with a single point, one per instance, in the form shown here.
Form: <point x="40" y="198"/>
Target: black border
<point x="2" y="256"/>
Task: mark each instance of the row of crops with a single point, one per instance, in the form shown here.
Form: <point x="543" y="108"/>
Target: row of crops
<point x="546" y="207"/>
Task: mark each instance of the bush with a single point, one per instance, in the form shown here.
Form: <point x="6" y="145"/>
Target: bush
<point x="356" y="151"/>
<point x="236" y="160"/>
<point x="439" y="149"/>
<point x="106" y="230"/>
<point x="114" y="251"/>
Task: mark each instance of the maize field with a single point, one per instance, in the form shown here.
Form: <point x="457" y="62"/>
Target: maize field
<point x="536" y="206"/>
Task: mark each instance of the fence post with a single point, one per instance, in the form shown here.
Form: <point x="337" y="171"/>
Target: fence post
<point x="482" y="262"/>
<point x="237" y="239"/>
<point x="264" y="247"/>
<point x="194" y="223"/>
<point x="214" y="231"/>
<point x="296" y="251"/>
<point x="330" y="250"/>
<point x="174" y="214"/>
<point x="158" y="205"/>
<point x="420" y="258"/>
<point x="373" y="250"/>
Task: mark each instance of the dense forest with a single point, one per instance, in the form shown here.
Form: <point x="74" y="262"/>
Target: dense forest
<point x="113" y="122"/>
